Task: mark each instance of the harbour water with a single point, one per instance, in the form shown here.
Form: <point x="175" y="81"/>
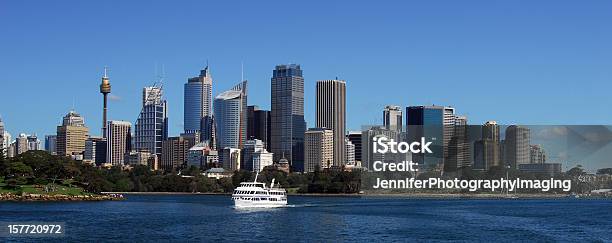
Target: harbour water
<point x="308" y="218"/>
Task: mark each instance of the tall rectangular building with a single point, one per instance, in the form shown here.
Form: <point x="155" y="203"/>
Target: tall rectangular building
<point x="51" y="144"/>
<point x="258" y="125"/>
<point x="231" y="117"/>
<point x="355" y="138"/>
<point x="71" y="135"/>
<point x="459" y="155"/>
<point x="119" y="141"/>
<point x="516" y="146"/>
<point x="319" y="148"/>
<point x="287" y="115"/>
<point x="392" y="118"/>
<point x="436" y="125"/>
<point x="198" y="104"/>
<point x="487" y="151"/>
<point x="331" y="114"/>
<point x="152" y="124"/>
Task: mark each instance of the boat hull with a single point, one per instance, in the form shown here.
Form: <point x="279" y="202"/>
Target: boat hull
<point x="254" y="204"/>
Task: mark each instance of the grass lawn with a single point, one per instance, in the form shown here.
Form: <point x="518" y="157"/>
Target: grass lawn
<point x="40" y="189"/>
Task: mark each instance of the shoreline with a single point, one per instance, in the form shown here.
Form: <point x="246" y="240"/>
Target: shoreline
<point x="9" y="197"/>
<point x="380" y="195"/>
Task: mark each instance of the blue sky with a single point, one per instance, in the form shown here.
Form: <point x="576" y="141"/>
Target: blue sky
<point x="527" y="62"/>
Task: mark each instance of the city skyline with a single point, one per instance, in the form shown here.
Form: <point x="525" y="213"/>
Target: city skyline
<point x="403" y="49"/>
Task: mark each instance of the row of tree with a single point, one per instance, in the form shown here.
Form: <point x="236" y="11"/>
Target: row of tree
<point x="42" y="168"/>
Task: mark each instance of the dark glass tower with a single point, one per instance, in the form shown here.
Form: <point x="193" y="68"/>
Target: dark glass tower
<point x="287" y="115"/>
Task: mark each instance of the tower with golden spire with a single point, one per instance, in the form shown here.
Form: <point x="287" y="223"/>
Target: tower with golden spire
<point x="105" y="89"/>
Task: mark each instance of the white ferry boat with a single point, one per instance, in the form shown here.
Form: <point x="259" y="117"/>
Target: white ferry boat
<point x="258" y="195"/>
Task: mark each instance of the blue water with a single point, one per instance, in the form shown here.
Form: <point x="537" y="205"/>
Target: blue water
<point x="212" y="218"/>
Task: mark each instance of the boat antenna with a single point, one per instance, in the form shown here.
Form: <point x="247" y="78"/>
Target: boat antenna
<point x="256" y="175"/>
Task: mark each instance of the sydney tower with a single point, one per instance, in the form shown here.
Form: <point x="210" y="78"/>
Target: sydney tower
<point x="105" y="89"/>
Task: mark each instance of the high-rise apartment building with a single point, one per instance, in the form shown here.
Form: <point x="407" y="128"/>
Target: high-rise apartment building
<point x="118" y="141"/>
<point x="392" y="118"/>
<point x="71" y="135"/>
<point x="331" y="114"/>
<point x="287" y="115"/>
<point x="350" y="152"/>
<point x="198" y="104"/>
<point x="152" y="125"/>
<point x="174" y="152"/>
<point x="487" y="151"/>
<point x="231" y="117"/>
<point x="319" y="149"/>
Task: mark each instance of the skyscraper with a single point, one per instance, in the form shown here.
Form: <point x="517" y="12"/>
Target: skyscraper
<point x="231" y="117"/>
<point x="71" y="135"/>
<point x="21" y="144"/>
<point x="51" y="144"/>
<point x="152" y="124"/>
<point x="392" y="118"/>
<point x="487" y="151"/>
<point x="350" y="152"/>
<point x="258" y="125"/>
<point x="537" y="154"/>
<point x="118" y="135"/>
<point x="3" y="146"/>
<point x="198" y="104"/>
<point x="105" y="89"/>
<point x="459" y="155"/>
<point x="355" y="138"/>
<point x="331" y="114"/>
<point x="319" y="148"/>
<point x="435" y="124"/>
<point x="516" y="146"/>
<point x="287" y="115"/>
<point x="95" y="150"/>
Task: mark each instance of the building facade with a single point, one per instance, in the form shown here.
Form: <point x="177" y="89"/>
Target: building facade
<point x="287" y="115"/>
<point x="71" y="135"/>
<point x="119" y="141"/>
<point x="516" y="146"/>
<point x="198" y="104"/>
<point x="319" y="148"/>
<point x="258" y="125"/>
<point x="435" y="124"/>
<point x="392" y="118"/>
<point x="151" y="128"/>
<point x="331" y="114"/>
<point x="174" y="152"/>
<point x="231" y="117"/>
<point x="95" y="150"/>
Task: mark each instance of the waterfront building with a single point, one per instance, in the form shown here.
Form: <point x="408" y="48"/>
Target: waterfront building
<point x="254" y="156"/>
<point x="198" y="104"/>
<point x="231" y="117"/>
<point x="229" y="158"/>
<point x="119" y="141"/>
<point x="51" y="144"/>
<point x="355" y="138"/>
<point x="258" y="125"/>
<point x="319" y="149"/>
<point x="537" y="154"/>
<point x="151" y="127"/>
<point x="331" y="114"/>
<point x="71" y="135"/>
<point x="516" y="146"/>
<point x="95" y="150"/>
<point x="435" y="124"/>
<point x="202" y="156"/>
<point x="350" y="152"/>
<point x="174" y="152"/>
<point x="392" y="118"/>
<point x="287" y="115"/>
